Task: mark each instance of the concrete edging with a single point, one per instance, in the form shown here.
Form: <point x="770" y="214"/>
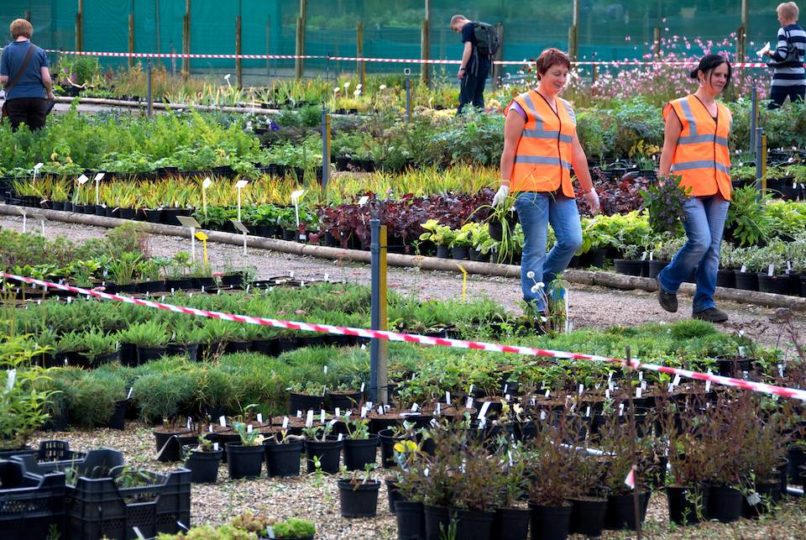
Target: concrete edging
<point x="585" y="277"/>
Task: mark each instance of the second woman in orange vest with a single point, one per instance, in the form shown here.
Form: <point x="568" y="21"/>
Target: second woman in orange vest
<point x="540" y="148"/>
<point x="695" y="148"/>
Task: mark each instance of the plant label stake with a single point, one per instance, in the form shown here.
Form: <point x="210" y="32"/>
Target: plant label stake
<point x="239" y="185"/>
<point x="205" y="185"/>
<point x="259" y="418"/>
<point x="464" y="282"/>
<point x="240" y="227"/>
<point x="36" y="169"/>
<point x="309" y="418"/>
<point x="24" y="215"/>
<point x="98" y="178"/>
<point x="295" y="197"/>
<point x="192" y="224"/>
<point x="203" y="237"/>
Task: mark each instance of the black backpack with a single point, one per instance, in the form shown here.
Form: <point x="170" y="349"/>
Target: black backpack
<point x="487" y="39"/>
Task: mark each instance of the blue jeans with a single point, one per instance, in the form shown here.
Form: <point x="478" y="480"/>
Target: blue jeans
<point x="535" y="212"/>
<point x="704" y="222"/>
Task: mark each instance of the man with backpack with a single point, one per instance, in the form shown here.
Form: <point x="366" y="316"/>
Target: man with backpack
<point x="481" y="42"/>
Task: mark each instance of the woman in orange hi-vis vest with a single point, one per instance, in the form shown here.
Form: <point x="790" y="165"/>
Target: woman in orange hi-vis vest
<point x="695" y="148"/>
<point x="540" y="148"/>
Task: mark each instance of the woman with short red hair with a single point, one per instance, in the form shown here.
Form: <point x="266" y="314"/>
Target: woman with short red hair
<point x="540" y="149"/>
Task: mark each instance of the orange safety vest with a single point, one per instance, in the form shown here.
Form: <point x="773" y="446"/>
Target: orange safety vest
<point x="543" y="156"/>
<point x="702" y="157"/>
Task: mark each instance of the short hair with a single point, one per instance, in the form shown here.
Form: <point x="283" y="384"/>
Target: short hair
<point x="456" y="18"/>
<point x="551" y="57"/>
<point x="788" y="10"/>
<point x="21" y="27"/>
<point x="710" y="62"/>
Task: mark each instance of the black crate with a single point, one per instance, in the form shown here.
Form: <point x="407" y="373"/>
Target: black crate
<point x="30" y="506"/>
<point x="94" y="464"/>
<point x="96" y="507"/>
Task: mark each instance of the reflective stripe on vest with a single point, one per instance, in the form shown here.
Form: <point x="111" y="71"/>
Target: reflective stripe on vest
<point x="543" y="154"/>
<point x="702" y="155"/>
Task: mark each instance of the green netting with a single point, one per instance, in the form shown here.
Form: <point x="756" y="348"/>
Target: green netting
<point x="608" y="29"/>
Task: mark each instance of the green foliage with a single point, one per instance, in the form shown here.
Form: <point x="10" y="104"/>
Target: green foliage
<point x="746" y="217"/>
<point x="294" y="528"/>
<point x="664" y="202"/>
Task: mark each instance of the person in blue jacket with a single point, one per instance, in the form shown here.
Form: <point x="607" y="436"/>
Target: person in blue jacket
<point x="25" y="76"/>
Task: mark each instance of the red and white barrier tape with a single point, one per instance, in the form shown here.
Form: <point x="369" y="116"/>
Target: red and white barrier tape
<point x="418" y="339"/>
<point x="179" y="56"/>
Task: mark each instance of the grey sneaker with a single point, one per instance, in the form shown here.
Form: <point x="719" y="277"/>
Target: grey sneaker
<point x="711" y="315"/>
<point x="667" y="300"/>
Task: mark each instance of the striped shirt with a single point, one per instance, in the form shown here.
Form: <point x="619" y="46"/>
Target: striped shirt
<point x="790" y="75"/>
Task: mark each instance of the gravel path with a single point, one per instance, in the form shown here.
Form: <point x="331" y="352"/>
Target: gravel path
<point x="591" y="307"/>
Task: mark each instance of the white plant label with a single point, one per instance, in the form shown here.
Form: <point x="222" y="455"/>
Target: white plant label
<point x="638" y="392"/>
<point x="581" y="389"/>
<point x="309" y="419"/>
<point x="363" y="200"/>
<point x="676" y="381"/>
<point x="11" y="378"/>
<point x="299" y="413"/>
<point x="259" y="418"/>
<point x="643" y="256"/>
<point x="506" y="387"/>
<point x="548" y="393"/>
<point x="508" y="397"/>
<point x="222" y="420"/>
<point x="609" y="377"/>
<point x="753" y="499"/>
<point x="380" y="409"/>
<point x="542" y="415"/>
<point x="643" y="385"/>
<point x="483" y="411"/>
<point x="469" y="403"/>
<point x="83" y="179"/>
<point x="415" y="407"/>
<point x="707" y="386"/>
<point x="99" y="177"/>
<point x="743" y="269"/>
<point x="447" y="397"/>
<point x="210" y="428"/>
<point x="215" y="446"/>
<point x="439" y="408"/>
<point x="188" y="423"/>
<point x="607" y="394"/>
<point x="249" y="428"/>
<point x="771" y="270"/>
<point x="362" y="388"/>
<point x="327" y="278"/>
<point x="781" y="370"/>
<point x="640" y="376"/>
<point x="482" y="423"/>
<point x="322" y="416"/>
<point x="338" y="412"/>
<point x="129" y="395"/>
<point x="285" y="422"/>
<point x="340" y="437"/>
<point x="470" y="391"/>
<point x="588" y="411"/>
<point x="363" y="412"/>
<point x="240" y="184"/>
<point x="325" y="369"/>
<point x="621" y="409"/>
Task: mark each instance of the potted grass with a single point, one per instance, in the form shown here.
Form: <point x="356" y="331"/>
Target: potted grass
<point x="245" y="459"/>
<point x="360" y="446"/>
<point x="283" y="453"/>
<point x="358" y="494"/>
<point x="150" y="338"/>
<point x="294" y="529"/>
<point x="100" y="348"/>
<point x="204" y="460"/>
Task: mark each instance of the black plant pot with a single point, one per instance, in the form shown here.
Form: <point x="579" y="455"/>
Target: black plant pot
<point x="797" y="458"/>
<point x="203" y="283"/>
<point x="283" y="459"/>
<point x="358" y="453"/>
<point x="118" y="420"/>
<point x="768" y="492"/>
<point x="204" y="466"/>
<point x="328" y="452"/>
<point x="360" y="500"/>
<point x="473" y="524"/>
<point x="777" y="284"/>
<point x="726" y="278"/>
<point x="387" y="447"/>
<point x="630" y="267"/>
<point x="267" y="347"/>
<point x="550" y="522"/>
<point x="443" y="252"/>
<point x="746" y="281"/>
<point x="168" y="444"/>
<point x="511" y="524"/>
<point x="343" y="400"/>
<point x="244" y="461"/>
<point x="686" y="505"/>
<point x="588" y="516"/>
<point x="460" y="253"/>
<point x="127" y="213"/>
<point x="724" y="504"/>
<point x="410" y="520"/>
<point x="393" y="494"/>
<point x="621" y="511"/>
<point x="304" y="402"/>
<point x="191" y="350"/>
<point x="655" y="267"/>
<point x="153" y="216"/>
<point x="146" y="354"/>
<point x="437" y="520"/>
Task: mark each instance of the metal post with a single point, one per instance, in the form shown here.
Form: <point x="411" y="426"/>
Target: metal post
<point x="149" y="94"/>
<point x="499" y="55"/>
<point x="741" y="33"/>
<point x="80" y="26"/>
<point x="173" y="60"/>
<point x="761" y="161"/>
<point x="238" y="51"/>
<point x="408" y="95"/>
<point x="425" y="44"/>
<point x="573" y="42"/>
<point x="299" y="64"/>
<point x="378" y="348"/>
<point x="753" y="119"/>
<point x="131" y="35"/>
<point x="325" y="147"/>
<point x="186" y="41"/>
<point x="361" y="66"/>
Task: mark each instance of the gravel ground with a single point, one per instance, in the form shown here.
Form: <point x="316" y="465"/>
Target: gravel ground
<point x="591" y="307"/>
<point x="317" y="499"/>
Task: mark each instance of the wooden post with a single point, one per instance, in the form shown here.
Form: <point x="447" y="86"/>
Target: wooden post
<point x="186" y="41"/>
<point x="238" y="61"/>
<point x="656" y="42"/>
<point x="299" y="64"/>
<point x="499" y="55"/>
<point x="131" y="35"/>
<point x="741" y="33"/>
<point x="573" y="39"/>
<point x="425" y="44"/>
<point x="80" y="26"/>
<point x="361" y="67"/>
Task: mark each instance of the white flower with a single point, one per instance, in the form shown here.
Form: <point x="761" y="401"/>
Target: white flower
<point x="530" y="274"/>
<point x="382" y="87"/>
<point x="534" y="289"/>
<point x="539" y="285"/>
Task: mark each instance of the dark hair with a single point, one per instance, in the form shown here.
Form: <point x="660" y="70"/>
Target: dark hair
<point x="551" y="57"/>
<point x="709" y="62"/>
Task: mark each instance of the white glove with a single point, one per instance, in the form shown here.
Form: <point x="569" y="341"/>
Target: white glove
<point x="501" y="196"/>
<point x="592" y="198"/>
